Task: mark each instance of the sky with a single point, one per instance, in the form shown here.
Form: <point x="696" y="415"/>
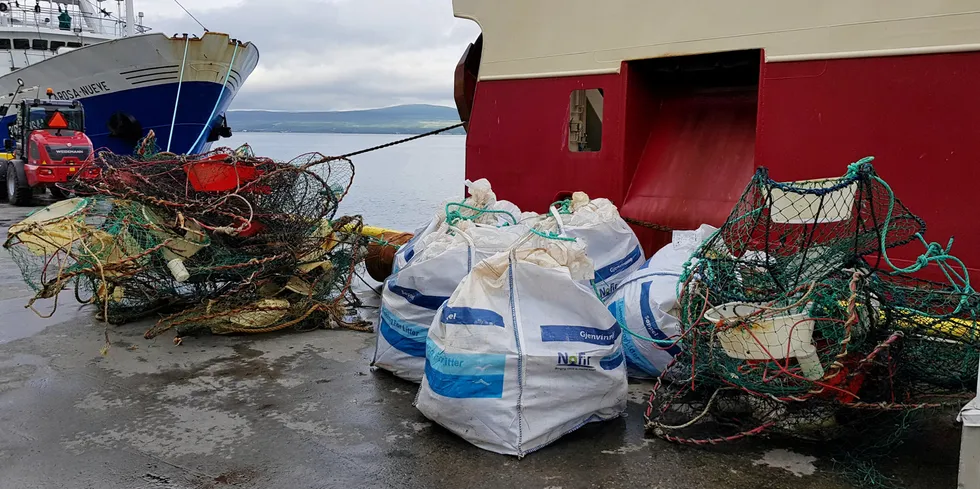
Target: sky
<point x="333" y="54"/>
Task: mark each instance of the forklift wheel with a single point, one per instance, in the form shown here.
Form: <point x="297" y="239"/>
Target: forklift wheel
<point x="16" y="194"/>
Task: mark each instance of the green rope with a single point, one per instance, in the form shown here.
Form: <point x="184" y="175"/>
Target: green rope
<point x="854" y="168"/>
<point x="379" y="241"/>
<point x="563" y="206"/>
<point x="934" y="253"/>
<point x="644" y="338"/>
<point x="455" y="215"/>
<point x="552" y="235"/>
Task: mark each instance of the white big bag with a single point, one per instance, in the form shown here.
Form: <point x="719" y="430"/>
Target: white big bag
<point x="411" y="296"/>
<point x="610" y="243"/>
<point x="522" y="352"/>
<point x="645" y="304"/>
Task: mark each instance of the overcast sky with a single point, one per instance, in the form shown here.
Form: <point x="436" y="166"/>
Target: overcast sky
<point x="333" y="54"/>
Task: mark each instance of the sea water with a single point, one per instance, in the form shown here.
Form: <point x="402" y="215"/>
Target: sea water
<point x="396" y="188"/>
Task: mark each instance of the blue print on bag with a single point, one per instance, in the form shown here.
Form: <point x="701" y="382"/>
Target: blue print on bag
<point x="417" y="298"/>
<point x="471" y="316"/>
<point x="650" y="322"/>
<point x="619" y="265"/>
<point x="612" y="361"/>
<point x="584" y="334"/>
<point x="464" y="375"/>
<point x="404" y="336"/>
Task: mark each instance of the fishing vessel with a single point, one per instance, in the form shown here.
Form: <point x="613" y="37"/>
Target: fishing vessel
<point x="667" y="108"/>
<point x="129" y="79"/>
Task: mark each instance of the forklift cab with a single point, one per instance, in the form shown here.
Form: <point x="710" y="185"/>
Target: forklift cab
<point x="47" y="146"/>
<point x="37" y="115"/>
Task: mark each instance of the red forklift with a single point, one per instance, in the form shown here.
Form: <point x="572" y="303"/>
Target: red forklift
<point x="47" y="146"/>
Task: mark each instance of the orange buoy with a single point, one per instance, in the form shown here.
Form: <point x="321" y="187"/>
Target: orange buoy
<point x="380" y="257"/>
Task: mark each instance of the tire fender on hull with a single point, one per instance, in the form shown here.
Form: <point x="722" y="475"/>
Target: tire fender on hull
<point x="124" y="126"/>
<point x="219" y="130"/>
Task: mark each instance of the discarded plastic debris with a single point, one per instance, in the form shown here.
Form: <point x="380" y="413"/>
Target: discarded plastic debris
<point x="224" y="241"/>
<point x="788" y="334"/>
<point x="523" y="353"/>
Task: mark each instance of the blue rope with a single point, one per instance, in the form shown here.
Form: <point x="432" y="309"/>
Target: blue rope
<point x="217" y="102"/>
<point x="180" y="83"/>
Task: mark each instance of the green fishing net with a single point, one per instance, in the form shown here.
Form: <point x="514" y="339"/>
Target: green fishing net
<point x="796" y="321"/>
<point x="223" y="241"/>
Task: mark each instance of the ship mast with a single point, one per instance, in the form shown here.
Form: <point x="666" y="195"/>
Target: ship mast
<point x="130" y="19"/>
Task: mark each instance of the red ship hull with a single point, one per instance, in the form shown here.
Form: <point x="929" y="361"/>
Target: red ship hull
<point x="680" y="154"/>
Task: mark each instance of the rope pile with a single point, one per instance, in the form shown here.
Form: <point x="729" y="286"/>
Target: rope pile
<point x="222" y="241"/>
<point x="796" y="321"/>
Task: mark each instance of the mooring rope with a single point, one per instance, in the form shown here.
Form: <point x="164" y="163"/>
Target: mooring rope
<point x="180" y="82"/>
<point x="218" y="101"/>
<point x="400" y="141"/>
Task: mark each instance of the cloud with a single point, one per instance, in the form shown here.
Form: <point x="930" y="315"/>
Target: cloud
<point x="333" y="54"/>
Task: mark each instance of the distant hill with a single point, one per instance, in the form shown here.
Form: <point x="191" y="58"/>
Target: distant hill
<point x="400" y="119"/>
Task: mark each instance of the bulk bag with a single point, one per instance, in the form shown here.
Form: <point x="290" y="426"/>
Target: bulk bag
<point x="645" y="304"/>
<point x="411" y="296"/>
<point x="523" y="353"/>
<point x="610" y="242"/>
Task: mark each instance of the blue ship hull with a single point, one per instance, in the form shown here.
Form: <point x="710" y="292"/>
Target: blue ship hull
<point x="199" y="110"/>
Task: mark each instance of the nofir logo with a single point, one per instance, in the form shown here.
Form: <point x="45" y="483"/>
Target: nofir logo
<point x="604" y="289"/>
<point x="573" y="361"/>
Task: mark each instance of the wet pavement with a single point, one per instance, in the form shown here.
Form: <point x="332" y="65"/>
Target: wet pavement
<point x="306" y="411"/>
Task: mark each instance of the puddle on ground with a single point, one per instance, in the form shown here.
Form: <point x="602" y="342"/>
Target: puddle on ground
<point x="20" y="322"/>
<point x="799" y="465"/>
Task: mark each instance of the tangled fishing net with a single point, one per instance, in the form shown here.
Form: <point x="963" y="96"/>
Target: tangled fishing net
<point x="795" y="320"/>
<point x="224" y="241"/>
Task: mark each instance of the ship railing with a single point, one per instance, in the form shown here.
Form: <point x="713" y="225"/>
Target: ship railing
<point x="47" y="18"/>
